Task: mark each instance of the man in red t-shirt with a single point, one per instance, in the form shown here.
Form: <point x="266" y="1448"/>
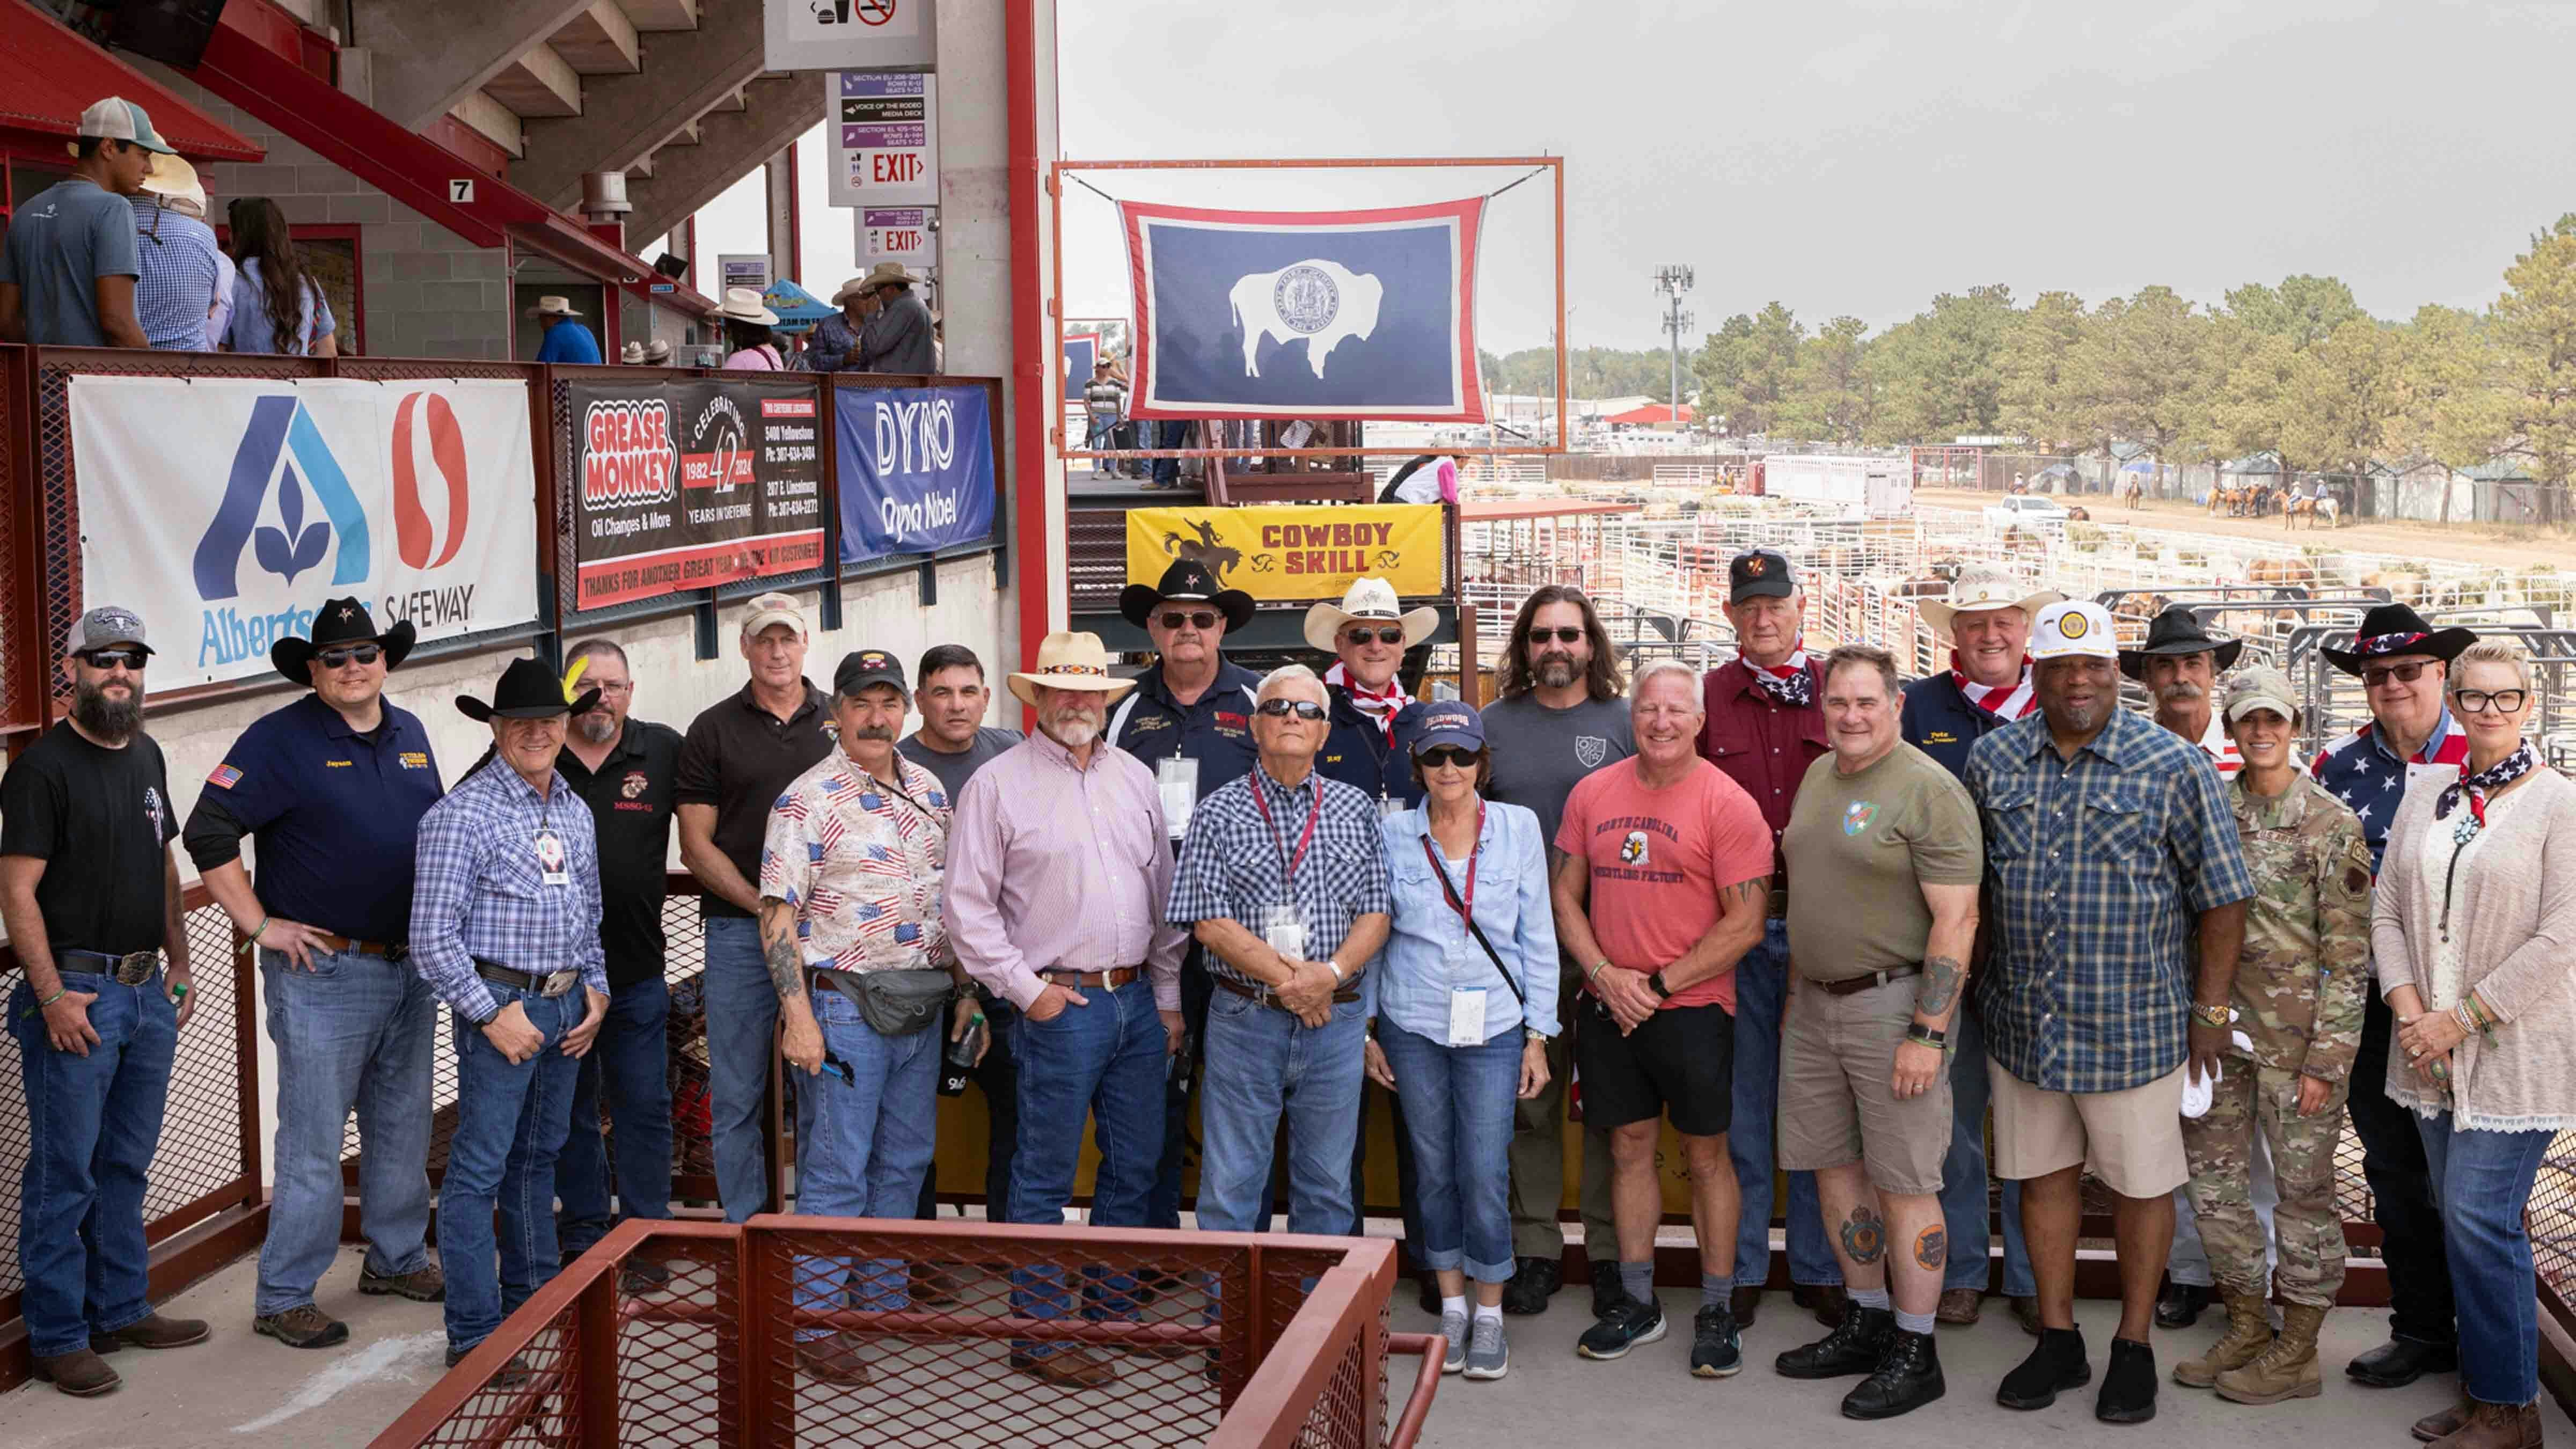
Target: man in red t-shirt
<point x="1662" y="876"/>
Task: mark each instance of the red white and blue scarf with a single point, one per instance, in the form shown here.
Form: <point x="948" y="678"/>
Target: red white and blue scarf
<point x="2009" y="702"/>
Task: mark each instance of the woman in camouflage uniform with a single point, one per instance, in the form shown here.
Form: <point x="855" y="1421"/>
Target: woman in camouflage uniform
<point x="2299" y="990"/>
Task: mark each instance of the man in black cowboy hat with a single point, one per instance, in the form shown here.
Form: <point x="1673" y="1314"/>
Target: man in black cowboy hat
<point x="334" y="787"/>
<point x="505" y="927"/>
<point x="2403" y="663"/>
<point x="2181" y="665"/>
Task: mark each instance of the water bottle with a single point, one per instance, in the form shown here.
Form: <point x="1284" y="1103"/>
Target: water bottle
<point x="960" y="1063"/>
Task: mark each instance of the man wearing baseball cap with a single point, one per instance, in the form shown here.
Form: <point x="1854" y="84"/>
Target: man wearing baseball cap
<point x="2108" y="849"/>
<point x="67" y="272"/>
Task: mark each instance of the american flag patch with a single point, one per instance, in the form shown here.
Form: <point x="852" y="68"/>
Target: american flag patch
<point x="225" y="777"/>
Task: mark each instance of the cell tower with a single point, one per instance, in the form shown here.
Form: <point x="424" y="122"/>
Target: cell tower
<point x="1673" y="282"/>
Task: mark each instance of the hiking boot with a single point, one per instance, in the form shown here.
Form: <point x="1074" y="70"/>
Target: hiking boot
<point x="2286" y="1370"/>
<point x="1959" y="1306"/>
<point x="833" y="1358"/>
<point x="2056" y="1365"/>
<point x="303" y="1326"/>
<point x="2447" y="1421"/>
<point x="152" y="1332"/>
<point x="1453" y="1327"/>
<point x="1534" y="1281"/>
<point x="80" y="1373"/>
<point x="424" y="1284"/>
<point x="1717" y="1347"/>
<point x="1907" y="1378"/>
<point x="1489" y="1356"/>
<point x="1628" y="1324"/>
<point x="2128" y="1393"/>
<point x="2495" y="1426"/>
<point x="1854" y="1347"/>
<point x="2249" y="1333"/>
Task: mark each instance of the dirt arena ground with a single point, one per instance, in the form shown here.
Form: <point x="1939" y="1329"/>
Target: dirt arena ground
<point x="2504" y="546"/>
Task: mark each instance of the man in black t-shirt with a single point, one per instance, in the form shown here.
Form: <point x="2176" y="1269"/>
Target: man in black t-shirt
<point x="89" y="891"/>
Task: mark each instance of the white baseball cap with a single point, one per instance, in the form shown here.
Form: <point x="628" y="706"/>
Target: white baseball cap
<point x="118" y="119"/>
<point x="2074" y="629"/>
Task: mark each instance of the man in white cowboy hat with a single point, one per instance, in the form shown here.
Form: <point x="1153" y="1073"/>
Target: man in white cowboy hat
<point x="68" y="269"/>
<point x="746" y="321"/>
<point x="657" y="353"/>
<point x="566" y="340"/>
<point x="1987" y="686"/>
<point x="632" y="354"/>
<point x="1373" y="717"/>
<point x="185" y="273"/>
<point x="836" y="338"/>
<point x="899" y="337"/>
<point x="1057" y="873"/>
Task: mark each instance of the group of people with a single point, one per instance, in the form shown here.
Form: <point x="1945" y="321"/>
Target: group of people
<point x="1819" y="919"/>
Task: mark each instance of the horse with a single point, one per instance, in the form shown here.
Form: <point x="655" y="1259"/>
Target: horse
<point x="2296" y="509"/>
<point x="1208" y="549"/>
<point x="2133" y="491"/>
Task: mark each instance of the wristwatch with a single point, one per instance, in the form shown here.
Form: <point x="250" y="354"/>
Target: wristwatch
<point x="1661" y="990"/>
<point x="1531" y="1033"/>
<point x="2216" y="1016"/>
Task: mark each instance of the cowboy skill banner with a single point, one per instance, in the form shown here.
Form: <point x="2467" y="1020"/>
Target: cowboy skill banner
<point x="684" y="485"/>
<point x="916" y="469"/>
<point x="225" y="510"/>
<point x="1305" y="314"/>
<point x="1293" y="552"/>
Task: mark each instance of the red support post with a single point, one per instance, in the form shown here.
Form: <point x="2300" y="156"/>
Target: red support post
<point x="595" y="1361"/>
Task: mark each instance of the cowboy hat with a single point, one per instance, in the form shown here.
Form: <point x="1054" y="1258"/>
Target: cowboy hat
<point x="657" y="351"/>
<point x="742" y="304"/>
<point x="1069" y="661"/>
<point x="340" y="621"/>
<point x="884" y="272"/>
<point x="857" y="285"/>
<point x="1187" y="580"/>
<point x="528" y="690"/>
<point x="2391" y="629"/>
<point x="2178" y="630"/>
<point x="1982" y="587"/>
<point x="632" y="354"/>
<point x="173" y="179"/>
<point x="553" y="307"/>
<point x="1371" y="599"/>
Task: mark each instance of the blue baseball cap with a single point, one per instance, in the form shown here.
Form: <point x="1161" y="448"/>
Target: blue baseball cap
<point x="1449" y="722"/>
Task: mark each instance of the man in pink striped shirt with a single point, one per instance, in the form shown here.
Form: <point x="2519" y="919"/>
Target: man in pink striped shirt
<point x="1057" y="873"/>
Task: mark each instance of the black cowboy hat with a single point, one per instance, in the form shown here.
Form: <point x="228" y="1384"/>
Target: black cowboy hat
<point x="528" y="690"/>
<point x="1188" y="581"/>
<point x="341" y="621"/>
<point x="2178" y="631"/>
<point x="2397" y="629"/>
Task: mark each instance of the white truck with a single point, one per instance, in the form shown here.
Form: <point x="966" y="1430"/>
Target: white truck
<point x="1878" y="487"/>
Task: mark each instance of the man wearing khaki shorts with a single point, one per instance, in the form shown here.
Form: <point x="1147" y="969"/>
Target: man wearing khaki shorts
<point x="2108" y="841"/>
<point x="1885" y="847"/>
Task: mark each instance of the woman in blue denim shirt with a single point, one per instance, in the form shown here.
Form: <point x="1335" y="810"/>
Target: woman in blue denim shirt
<point x="1461" y="1032"/>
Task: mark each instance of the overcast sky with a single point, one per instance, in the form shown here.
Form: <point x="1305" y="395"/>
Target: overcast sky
<point x="1843" y="157"/>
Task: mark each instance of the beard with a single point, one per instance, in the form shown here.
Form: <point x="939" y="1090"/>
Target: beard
<point x="109" y="719"/>
<point x="1556" y="669"/>
<point x="596" y="726"/>
<point x="1074" y="729"/>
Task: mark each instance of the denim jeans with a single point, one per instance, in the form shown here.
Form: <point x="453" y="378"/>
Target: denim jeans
<point x="998" y="1078"/>
<point x="1163" y="1207"/>
<point x="1103" y="1062"/>
<point x="868" y="1149"/>
<point x="510" y="1125"/>
<point x="1169" y="434"/>
<point x="94" y="1123"/>
<point x="353" y="1033"/>
<point x="2481" y="1184"/>
<point x="742" y="1043"/>
<point x="629" y="1064"/>
<point x="1964" y="1204"/>
<point x="1761" y="993"/>
<point x="1263" y="1063"/>
<point x="1458" y="1111"/>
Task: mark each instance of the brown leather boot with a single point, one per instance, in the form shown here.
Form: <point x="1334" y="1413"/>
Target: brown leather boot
<point x="2287" y="1369"/>
<point x="79" y="1373"/>
<point x="2447" y="1421"/>
<point x="154" y="1331"/>
<point x="2495" y="1426"/>
<point x="2249" y="1332"/>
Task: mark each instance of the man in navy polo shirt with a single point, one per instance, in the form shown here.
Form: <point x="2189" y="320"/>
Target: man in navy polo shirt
<point x="333" y="786"/>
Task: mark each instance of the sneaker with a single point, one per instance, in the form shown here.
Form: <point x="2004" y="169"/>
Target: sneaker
<point x="1488" y="1355"/>
<point x="303" y="1326"/>
<point x="2057" y="1364"/>
<point x="1717" y="1351"/>
<point x="1907" y="1378"/>
<point x="1628" y="1324"/>
<point x="2128" y="1385"/>
<point x="424" y="1284"/>
<point x="1606" y="1292"/>
<point x="1453" y="1327"/>
<point x="1534" y="1280"/>
<point x="1854" y="1347"/>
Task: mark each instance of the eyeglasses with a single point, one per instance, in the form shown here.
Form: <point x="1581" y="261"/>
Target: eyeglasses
<point x="2406" y="673"/>
<point x="129" y="659"/>
<point x="613" y="686"/>
<point x="1305" y="709"/>
<point x="354" y="654"/>
<point x="1565" y="635"/>
<point x="1202" y="620"/>
<point x="1383" y="636"/>
<point x="2479" y="701"/>
<point x="1439" y="755"/>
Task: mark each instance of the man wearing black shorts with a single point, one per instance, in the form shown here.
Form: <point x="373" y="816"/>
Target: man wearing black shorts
<point x="1661" y="881"/>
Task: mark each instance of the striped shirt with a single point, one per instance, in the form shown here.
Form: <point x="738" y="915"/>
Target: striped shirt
<point x="479" y="889"/>
<point x="2220" y="748"/>
<point x="1235" y="865"/>
<point x="860" y="860"/>
<point x="182" y="270"/>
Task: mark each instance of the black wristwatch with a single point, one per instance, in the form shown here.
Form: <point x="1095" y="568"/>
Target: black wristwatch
<point x="1661" y="990"/>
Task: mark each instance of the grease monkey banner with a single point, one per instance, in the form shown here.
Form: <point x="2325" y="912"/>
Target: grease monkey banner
<point x="685" y="485"/>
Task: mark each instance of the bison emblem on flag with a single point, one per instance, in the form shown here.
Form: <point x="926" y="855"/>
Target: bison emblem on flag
<point x="1316" y="300"/>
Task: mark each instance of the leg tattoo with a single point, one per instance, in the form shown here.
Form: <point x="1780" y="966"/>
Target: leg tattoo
<point x="1864" y="1236"/>
<point x="1932" y="1248"/>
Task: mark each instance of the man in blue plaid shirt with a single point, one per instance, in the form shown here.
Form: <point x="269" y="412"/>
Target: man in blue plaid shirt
<point x="2109" y="846"/>
<point x="1283" y="878"/>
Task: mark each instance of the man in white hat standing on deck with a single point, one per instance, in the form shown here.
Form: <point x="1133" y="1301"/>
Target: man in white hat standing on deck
<point x="836" y="339"/>
<point x="566" y="340"/>
<point x="898" y="338"/>
<point x="186" y="277"/>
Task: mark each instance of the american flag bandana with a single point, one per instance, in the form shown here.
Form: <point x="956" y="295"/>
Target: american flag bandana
<point x="1788" y="682"/>
<point x="2484" y="783"/>
<point x="1995" y="699"/>
<point x="1381" y="705"/>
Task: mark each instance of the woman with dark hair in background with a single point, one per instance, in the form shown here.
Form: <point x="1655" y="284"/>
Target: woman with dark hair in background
<point x="277" y="306"/>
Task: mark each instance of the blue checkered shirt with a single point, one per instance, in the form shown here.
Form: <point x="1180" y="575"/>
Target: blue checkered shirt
<point x="479" y="892"/>
<point x="182" y="268"/>
<point x="2096" y="872"/>
<point x="1233" y="866"/>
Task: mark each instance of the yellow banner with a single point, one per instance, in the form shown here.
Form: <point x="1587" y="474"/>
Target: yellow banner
<point x="1293" y="552"/>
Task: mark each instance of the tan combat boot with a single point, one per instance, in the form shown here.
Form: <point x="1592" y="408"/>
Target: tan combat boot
<point x="2286" y="1370"/>
<point x="2249" y="1332"/>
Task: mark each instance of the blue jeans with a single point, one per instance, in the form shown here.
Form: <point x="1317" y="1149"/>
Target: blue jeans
<point x="1458" y="1111"/>
<point x="1262" y="1063"/>
<point x="353" y="1033"/>
<point x="1163" y="1206"/>
<point x="510" y="1124"/>
<point x="1761" y="993"/>
<point x="94" y="1123"/>
<point x="1964" y="1211"/>
<point x="2482" y="1182"/>
<point x="742" y="1042"/>
<point x="869" y="1148"/>
<point x="630" y="1064"/>
<point x="1103" y="1062"/>
<point x="1169" y="434"/>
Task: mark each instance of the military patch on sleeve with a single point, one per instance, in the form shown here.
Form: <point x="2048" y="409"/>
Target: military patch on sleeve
<point x="2356" y="880"/>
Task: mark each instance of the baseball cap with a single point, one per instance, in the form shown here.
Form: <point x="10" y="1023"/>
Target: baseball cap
<point x="863" y="667"/>
<point x="106" y="626"/>
<point x="2262" y="687"/>
<point x="1449" y="722"/>
<point x="2074" y="629"/>
<point x="118" y="119"/>
<point x="1757" y="572"/>
<point x="767" y="609"/>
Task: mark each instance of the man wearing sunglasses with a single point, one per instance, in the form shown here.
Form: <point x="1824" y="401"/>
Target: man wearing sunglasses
<point x="1373" y="718"/>
<point x="2402" y="663"/>
<point x="334" y="787"/>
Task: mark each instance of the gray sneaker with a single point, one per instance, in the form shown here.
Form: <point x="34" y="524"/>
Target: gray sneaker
<point x="1489" y="1356"/>
<point x="1453" y="1327"/>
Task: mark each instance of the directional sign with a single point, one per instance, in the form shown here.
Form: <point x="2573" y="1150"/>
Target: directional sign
<point x="898" y="234"/>
<point x="885" y="138"/>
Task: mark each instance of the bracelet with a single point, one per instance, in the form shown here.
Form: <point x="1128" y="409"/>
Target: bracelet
<point x="59" y="992"/>
<point x="1593" y="976"/>
<point x="263" y="927"/>
<point x="1927" y="1035"/>
<point x="1336" y="968"/>
<point x="2216" y="1016"/>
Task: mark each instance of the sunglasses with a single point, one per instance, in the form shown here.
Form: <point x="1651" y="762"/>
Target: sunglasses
<point x="2479" y="701"/>
<point x="1459" y="755"/>
<point x="1567" y="635"/>
<point x="355" y="653"/>
<point x="1305" y="709"/>
<point x="1175" y="621"/>
<point x="1383" y="636"/>
<point x="2406" y="673"/>
<point x="130" y="659"/>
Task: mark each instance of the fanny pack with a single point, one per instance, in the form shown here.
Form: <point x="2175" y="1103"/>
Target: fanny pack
<point x="893" y="1003"/>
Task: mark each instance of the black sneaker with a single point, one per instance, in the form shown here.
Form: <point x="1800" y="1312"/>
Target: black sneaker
<point x="1534" y="1281"/>
<point x="1628" y="1324"/>
<point x="2056" y="1365"/>
<point x="1717" y="1351"/>
<point x="1907" y="1378"/>
<point x="2128" y="1385"/>
<point x="1854" y="1347"/>
<point x="1607" y="1292"/>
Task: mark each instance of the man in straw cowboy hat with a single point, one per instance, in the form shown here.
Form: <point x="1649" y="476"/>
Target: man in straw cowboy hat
<point x="186" y="276"/>
<point x="1057" y="874"/>
<point x="1987" y="686"/>
<point x="505" y="929"/>
<point x="566" y="340"/>
<point x="835" y="347"/>
<point x="899" y="337"/>
<point x="1373" y="718"/>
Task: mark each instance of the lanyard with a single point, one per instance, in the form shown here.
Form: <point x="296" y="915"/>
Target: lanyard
<point x="1287" y="862"/>
<point x="1475" y="853"/>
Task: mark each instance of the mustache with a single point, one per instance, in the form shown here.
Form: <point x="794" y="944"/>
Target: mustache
<point x="875" y="732"/>
<point x="2180" y="691"/>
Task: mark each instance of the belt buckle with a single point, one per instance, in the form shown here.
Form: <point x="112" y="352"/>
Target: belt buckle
<point x="135" y="967"/>
<point x="558" y="982"/>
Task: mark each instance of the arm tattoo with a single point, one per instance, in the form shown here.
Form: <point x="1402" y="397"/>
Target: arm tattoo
<point x="1941" y="977"/>
<point x="1864" y="1236"/>
<point x="786" y="971"/>
<point x="1932" y="1248"/>
<point x="1754" y="892"/>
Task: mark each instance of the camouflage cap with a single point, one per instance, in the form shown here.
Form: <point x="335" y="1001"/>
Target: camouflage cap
<point x="2261" y="687"/>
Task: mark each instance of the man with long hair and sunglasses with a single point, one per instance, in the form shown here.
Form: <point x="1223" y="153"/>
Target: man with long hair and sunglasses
<point x="334" y="787"/>
<point x="1560" y="715"/>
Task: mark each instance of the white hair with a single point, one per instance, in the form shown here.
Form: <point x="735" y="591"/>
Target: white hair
<point x="1637" y="683"/>
<point x="1291" y="674"/>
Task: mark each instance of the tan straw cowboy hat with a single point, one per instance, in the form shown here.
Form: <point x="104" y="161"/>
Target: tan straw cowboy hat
<point x="1372" y="600"/>
<point x="884" y="272"/>
<point x="553" y="307"/>
<point x="1981" y="587"/>
<point x="1069" y="661"/>
<point x="742" y="304"/>
<point x="853" y="286"/>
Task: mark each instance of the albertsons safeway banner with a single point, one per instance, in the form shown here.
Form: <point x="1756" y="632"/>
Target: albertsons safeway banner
<point x="225" y="510"/>
<point x="686" y="484"/>
<point x="916" y="469"/>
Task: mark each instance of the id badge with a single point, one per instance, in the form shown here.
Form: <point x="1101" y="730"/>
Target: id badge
<point x="1177" y="780"/>
<point x="1284" y="928"/>
<point x="550" y="859"/>
<point x="1388" y="807"/>
<point x="1467" y="1017"/>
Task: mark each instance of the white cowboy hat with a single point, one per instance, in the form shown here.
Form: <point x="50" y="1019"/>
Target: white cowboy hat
<point x="553" y="307"/>
<point x="174" y="179"/>
<point x="742" y="304"/>
<point x="632" y="354"/>
<point x="657" y="351"/>
<point x="1981" y="587"/>
<point x="1069" y="661"/>
<point x="854" y="284"/>
<point x="884" y="272"/>
<point x="1371" y="599"/>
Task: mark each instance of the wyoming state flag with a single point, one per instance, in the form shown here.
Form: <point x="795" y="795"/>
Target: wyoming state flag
<point x="1305" y="314"/>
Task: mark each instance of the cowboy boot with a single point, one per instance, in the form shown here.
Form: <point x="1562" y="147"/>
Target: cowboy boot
<point x="2444" y="1421"/>
<point x="2286" y="1370"/>
<point x="2249" y="1332"/>
<point x="2495" y="1426"/>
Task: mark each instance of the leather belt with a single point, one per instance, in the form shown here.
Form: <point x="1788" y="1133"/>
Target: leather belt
<point x="543" y="983"/>
<point x="1779" y="907"/>
<point x="350" y="946"/>
<point x="1268" y="997"/>
<point x="131" y="969"/>
<point x="1855" y="985"/>
<point x="1109" y="980"/>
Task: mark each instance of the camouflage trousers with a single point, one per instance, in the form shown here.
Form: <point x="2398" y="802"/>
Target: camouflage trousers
<point x="2249" y="1099"/>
